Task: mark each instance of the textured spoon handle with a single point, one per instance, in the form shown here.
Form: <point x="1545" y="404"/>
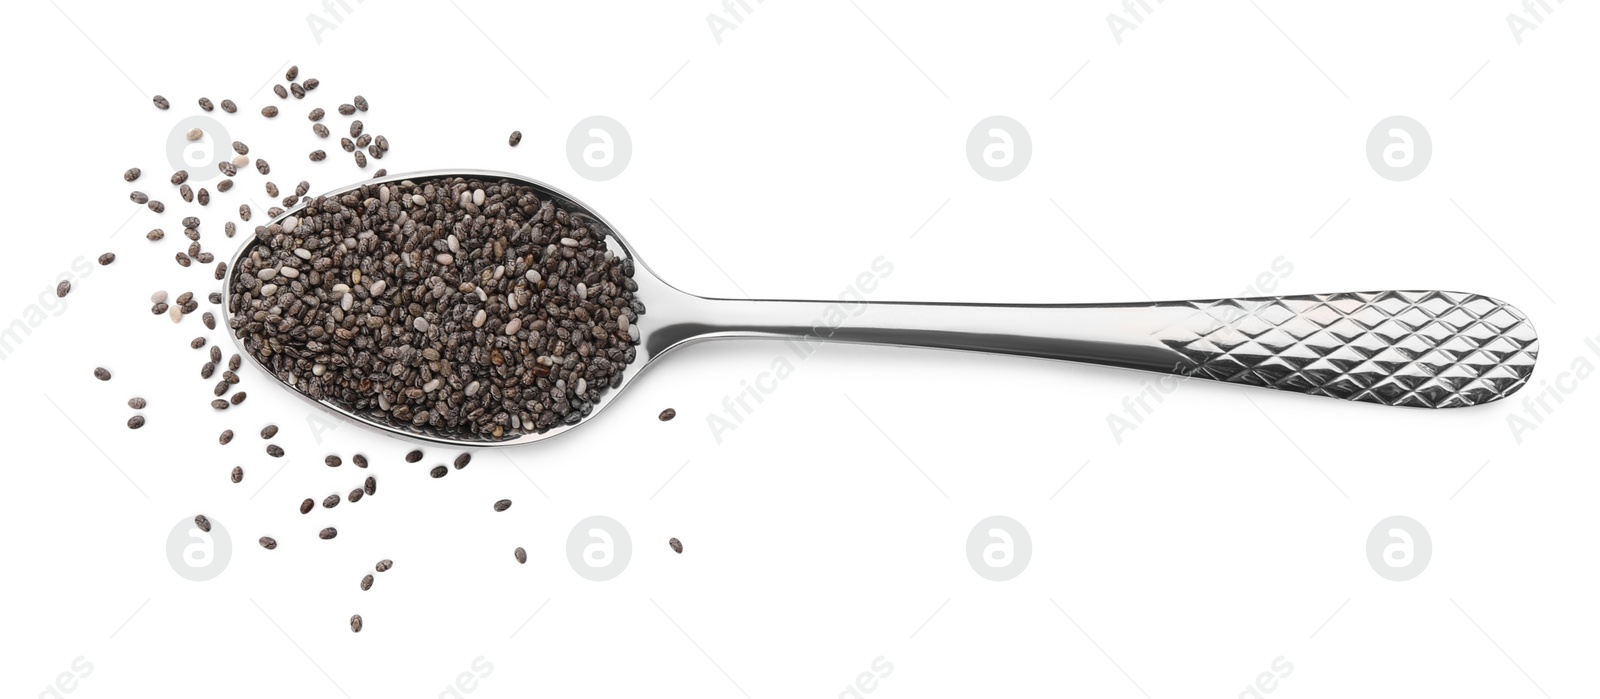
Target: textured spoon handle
<point x="1427" y="349"/>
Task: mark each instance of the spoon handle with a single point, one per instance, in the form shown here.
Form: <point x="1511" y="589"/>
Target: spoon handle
<point x="1426" y="349"/>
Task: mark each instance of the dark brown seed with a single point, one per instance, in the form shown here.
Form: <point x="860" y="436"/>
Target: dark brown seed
<point x="222" y="267"/>
<point x="330" y="501"/>
<point x="414" y="456"/>
<point x="298" y="91"/>
<point x="307" y="505"/>
<point x="227" y="436"/>
<point x="268" y="431"/>
<point x="205" y="369"/>
<point x="138" y="197"/>
<point x="333" y="461"/>
<point x="382" y="144"/>
<point x="463" y="460"/>
<point x="63" y="288"/>
<point x="328" y="533"/>
<point x="240" y="148"/>
<point x="237" y="398"/>
<point x="197" y="343"/>
<point x="516" y="137"/>
<point x="244" y="212"/>
<point x="347" y="109"/>
<point x="359" y="460"/>
<point x="270" y="111"/>
<point x="209" y="319"/>
<point x="316" y="114"/>
<point x="317" y="156"/>
<point x="320" y="130"/>
<point x="348" y="145"/>
<point x="361" y="103"/>
<point x="312" y="83"/>
<point x="102" y="374"/>
<point x="364" y="140"/>
<point x="221" y="388"/>
<point x="136" y="403"/>
<point x="281" y="93"/>
<point x="292" y="73"/>
<point x="262" y="166"/>
<point x="229" y="107"/>
<point x="355" y="623"/>
<point x="135" y="422"/>
<point x="301" y="189"/>
<point x="380" y="173"/>
<point x="158" y="309"/>
<point x="274" y="451"/>
<point x="438" y="471"/>
<point x="203" y="196"/>
<point x="366" y="582"/>
<point x="183" y="260"/>
<point x="521" y="555"/>
<point x="214" y="297"/>
<point x="355" y="128"/>
<point x="108" y="258"/>
<point x="238" y="474"/>
<point x="161" y="102"/>
<point x="269" y="543"/>
<point x="502" y="505"/>
<point x="180" y="177"/>
<point x="186" y="193"/>
<point x="384" y="565"/>
<point x="355" y="495"/>
<point x="202" y="523"/>
<point x="131" y="174"/>
<point x="375" y="152"/>
<point x="370" y="487"/>
<point x="156" y="206"/>
<point x="233" y="363"/>
<point x="229" y="170"/>
<point x="205" y="104"/>
<point x="361" y="159"/>
<point x="224" y="186"/>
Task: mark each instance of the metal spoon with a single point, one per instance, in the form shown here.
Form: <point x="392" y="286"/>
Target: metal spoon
<point x="1425" y="349"/>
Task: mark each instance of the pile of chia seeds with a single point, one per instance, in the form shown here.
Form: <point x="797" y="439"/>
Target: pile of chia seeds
<point x="469" y="308"/>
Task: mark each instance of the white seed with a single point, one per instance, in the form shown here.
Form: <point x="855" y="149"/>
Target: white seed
<point x="569" y="242"/>
<point x="466" y="198"/>
<point x="532" y="276"/>
<point x="289" y="224"/>
<point x="444" y="258"/>
<point x="499" y="271"/>
<point x="472" y="389"/>
<point x="383" y="194"/>
<point x="513" y="326"/>
<point x="347" y="301"/>
<point x="477" y="197"/>
<point x="340" y="288"/>
<point x="267" y="273"/>
<point x="482" y="295"/>
<point x="318" y="369"/>
<point x="431" y="386"/>
<point x="418" y="200"/>
<point x="511" y="300"/>
<point x="583" y="385"/>
<point x="454" y="243"/>
<point x="421" y="324"/>
<point x="290" y="272"/>
<point x="269" y="289"/>
<point x="583" y="291"/>
<point x="383" y="403"/>
<point x="633" y="333"/>
<point x="378" y="287"/>
<point x="158" y="297"/>
<point x="176" y="313"/>
<point x="240" y="161"/>
<point x="477" y="320"/>
<point x="622" y="322"/>
<point x="302" y="253"/>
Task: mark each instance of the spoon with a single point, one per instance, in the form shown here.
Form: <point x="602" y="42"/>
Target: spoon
<point x="1422" y="349"/>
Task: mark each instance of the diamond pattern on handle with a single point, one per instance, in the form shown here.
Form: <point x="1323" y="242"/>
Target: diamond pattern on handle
<point x="1426" y="349"/>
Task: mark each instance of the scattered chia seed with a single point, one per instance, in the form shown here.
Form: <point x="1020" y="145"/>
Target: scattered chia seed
<point x="330" y="501"/>
<point x="333" y="461"/>
<point x="521" y="555"/>
<point x="306" y="506"/>
<point x="136" y="403"/>
<point x="274" y="451"/>
<point x="161" y="102"/>
<point x="131" y="174"/>
<point x="413" y="456"/>
<point x="268" y="431"/>
<point x="355" y="620"/>
<point x="516" y="137"/>
<point x="355" y="495"/>
<point x="668" y="414"/>
<point x="270" y="111"/>
<point x="229" y="107"/>
<point x="438" y="471"/>
<point x="502" y="505"/>
<point x="677" y="546"/>
<point x="135" y="422"/>
<point x="227" y="436"/>
<point x="269" y="543"/>
<point x="384" y="565"/>
<point x="102" y="374"/>
<point x="463" y="460"/>
<point x="366" y="582"/>
<point x="108" y="258"/>
<point x="359" y="460"/>
<point x="202" y="523"/>
<point x="238" y="474"/>
<point x="63" y="288"/>
<point x="328" y="533"/>
<point x="370" y="487"/>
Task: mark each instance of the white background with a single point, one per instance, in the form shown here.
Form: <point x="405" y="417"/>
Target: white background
<point x="829" y="529"/>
